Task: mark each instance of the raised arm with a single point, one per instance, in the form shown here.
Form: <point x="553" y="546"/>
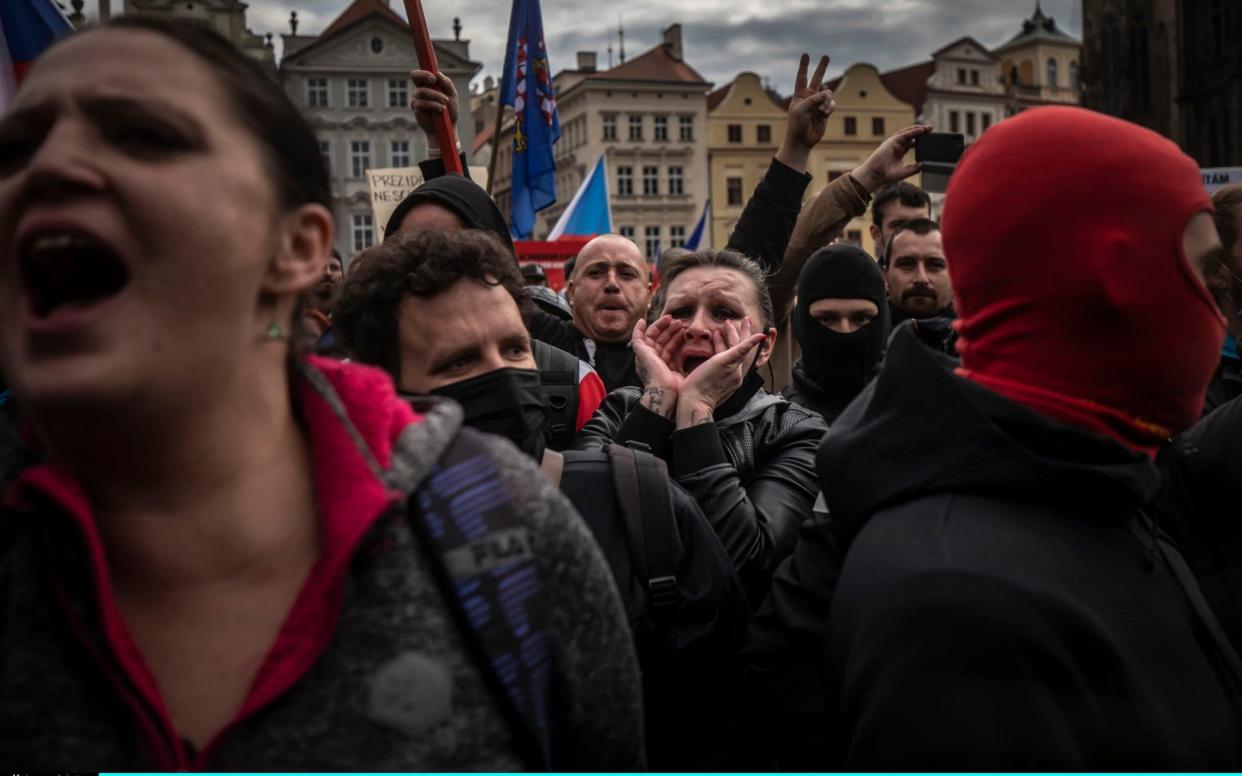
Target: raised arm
<point x="763" y="230"/>
<point x="823" y="220"/>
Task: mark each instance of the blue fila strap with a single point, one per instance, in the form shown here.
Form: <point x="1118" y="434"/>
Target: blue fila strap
<point x="481" y="553"/>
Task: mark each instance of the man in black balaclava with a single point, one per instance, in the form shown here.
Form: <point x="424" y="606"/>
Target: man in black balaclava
<point x="841" y="324"/>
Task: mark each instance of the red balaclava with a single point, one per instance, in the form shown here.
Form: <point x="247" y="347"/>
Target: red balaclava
<point x="1063" y="232"/>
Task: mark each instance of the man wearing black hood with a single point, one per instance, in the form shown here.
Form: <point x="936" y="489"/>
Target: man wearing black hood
<point x="841" y="324"/>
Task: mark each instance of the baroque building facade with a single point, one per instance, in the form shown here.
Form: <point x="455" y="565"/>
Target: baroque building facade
<point x="352" y="83"/>
<point x="649" y="115"/>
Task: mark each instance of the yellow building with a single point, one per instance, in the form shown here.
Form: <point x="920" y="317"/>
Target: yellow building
<point x="1040" y="65"/>
<point x="746" y="125"/>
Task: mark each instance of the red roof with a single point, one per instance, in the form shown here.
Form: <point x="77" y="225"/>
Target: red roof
<point x="658" y="64"/>
<point x="359" y="10"/>
<point x="909" y="84"/>
<point x="716" y="96"/>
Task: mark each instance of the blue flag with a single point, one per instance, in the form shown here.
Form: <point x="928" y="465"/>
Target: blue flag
<point x="526" y="84"/>
<point x="590" y="211"/>
<point x="696" y="237"/>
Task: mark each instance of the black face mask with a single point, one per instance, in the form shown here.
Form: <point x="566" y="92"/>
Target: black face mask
<point x="841" y="364"/>
<point x="507" y="402"/>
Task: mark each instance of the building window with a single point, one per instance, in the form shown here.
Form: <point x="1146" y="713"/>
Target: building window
<point x="610" y="126"/>
<point x="359" y="94"/>
<point x="661" y="128"/>
<point x="763" y="134"/>
<point x="676" y="178"/>
<point x="625" y="181"/>
<point x="687" y="129"/>
<point x="627" y="232"/>
<point x="733" y="188"/>
<point x="974" y="77"/>
<point x="1052" y="72"/>
<point x="317" y="92"/>
<point x="652" y="234"/>
<point x="377" y="45"/>
<point x="359" y="157"/>
<point x="676" y="236"/>
<point x="854" y="237"/>
<point x="364" y="232"/>
<point x="986" y="120"/>
<point x="851" y="125"/>
<point x="400" y="153"/>
<point x="961" y="76"/>
<point x="398" y="93"/>
<point x="955" y="121"/>
<point x="970" y="123"/>
<point x="651" y="181"/>
<point x="735" y="133"/>
<point x="636" y="127"/>
<point x="877" y="126"/>
<point x="325" y="150"/>
<point x="1075" y="84"/>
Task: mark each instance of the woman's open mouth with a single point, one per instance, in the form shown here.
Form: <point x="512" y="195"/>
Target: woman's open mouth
<point x="692" y="361"/>
<point x="66" y="272"/>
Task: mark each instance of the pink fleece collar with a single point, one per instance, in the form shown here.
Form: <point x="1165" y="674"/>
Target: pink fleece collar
<point x="350" y="498"/>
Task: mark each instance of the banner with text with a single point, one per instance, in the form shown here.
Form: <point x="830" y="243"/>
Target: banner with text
<point x="391" y="185"/>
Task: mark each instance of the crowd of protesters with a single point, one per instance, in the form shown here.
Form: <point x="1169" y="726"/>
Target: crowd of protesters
<point x="263" y="510"/>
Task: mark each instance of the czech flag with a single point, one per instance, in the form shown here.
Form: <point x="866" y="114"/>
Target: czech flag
<point x="27" y="27"/>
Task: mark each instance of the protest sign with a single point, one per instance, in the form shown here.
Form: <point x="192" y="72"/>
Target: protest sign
<point x="390" y="185"/>
<point x="1218" y="177"/>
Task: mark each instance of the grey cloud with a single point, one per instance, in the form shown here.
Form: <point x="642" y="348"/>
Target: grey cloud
<point x="722" y="37"/>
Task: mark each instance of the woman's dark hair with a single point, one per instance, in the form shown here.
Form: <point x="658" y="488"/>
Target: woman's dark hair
<point x="423" y="264"/>
<point x="733" y="260"/>
<point x="261" y="105"/>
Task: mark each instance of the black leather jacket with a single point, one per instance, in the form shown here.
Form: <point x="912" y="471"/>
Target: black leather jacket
<point x="752" y="471"/>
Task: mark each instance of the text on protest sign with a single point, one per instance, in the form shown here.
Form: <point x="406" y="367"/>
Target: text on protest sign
<point x="389" y="186"/>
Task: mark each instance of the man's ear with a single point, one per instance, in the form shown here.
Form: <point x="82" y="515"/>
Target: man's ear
<point x="875" y="238"/>
<point x="303" y="247"/>
<point x="765" y="349"/>
<point x="1216" y="276"/>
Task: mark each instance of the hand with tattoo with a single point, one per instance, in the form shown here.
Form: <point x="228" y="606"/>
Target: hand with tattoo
<point x="711" y="384"/>
<point x="652" y="346"/>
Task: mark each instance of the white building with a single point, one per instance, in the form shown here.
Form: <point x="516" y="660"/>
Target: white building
<point x="352" y="83"/>
<point x="649" y="114"/>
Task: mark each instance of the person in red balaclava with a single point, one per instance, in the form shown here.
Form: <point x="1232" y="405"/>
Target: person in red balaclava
<point x="1005" y="602"/>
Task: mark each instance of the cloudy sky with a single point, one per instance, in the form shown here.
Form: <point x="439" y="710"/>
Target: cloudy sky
<point x="722" y="37"/>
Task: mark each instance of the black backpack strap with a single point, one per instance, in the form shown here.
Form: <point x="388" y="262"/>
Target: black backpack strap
<point x="558" y="371"/>
<point x="480" y="551"/>
<point x="641" y="483"/>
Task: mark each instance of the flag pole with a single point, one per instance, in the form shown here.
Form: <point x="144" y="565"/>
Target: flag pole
<point x="491" y="164"/>
<point x="446" y="135"/>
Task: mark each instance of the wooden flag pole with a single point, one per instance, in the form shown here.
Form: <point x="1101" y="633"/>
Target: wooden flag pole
<point x="446" y="135"/>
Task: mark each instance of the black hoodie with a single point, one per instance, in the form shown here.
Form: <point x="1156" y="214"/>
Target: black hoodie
<point x="1004" y="602"/>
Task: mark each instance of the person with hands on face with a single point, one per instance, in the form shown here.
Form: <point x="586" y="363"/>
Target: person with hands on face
<point x="745" y="455"/>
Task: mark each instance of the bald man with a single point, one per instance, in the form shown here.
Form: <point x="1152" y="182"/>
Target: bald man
<point x="609" y="290"/>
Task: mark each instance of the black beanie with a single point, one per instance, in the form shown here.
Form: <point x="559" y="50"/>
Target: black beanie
<point x="461" y="195"/>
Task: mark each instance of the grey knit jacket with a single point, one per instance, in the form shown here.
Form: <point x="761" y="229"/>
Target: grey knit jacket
<point x="395" y="689"/>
